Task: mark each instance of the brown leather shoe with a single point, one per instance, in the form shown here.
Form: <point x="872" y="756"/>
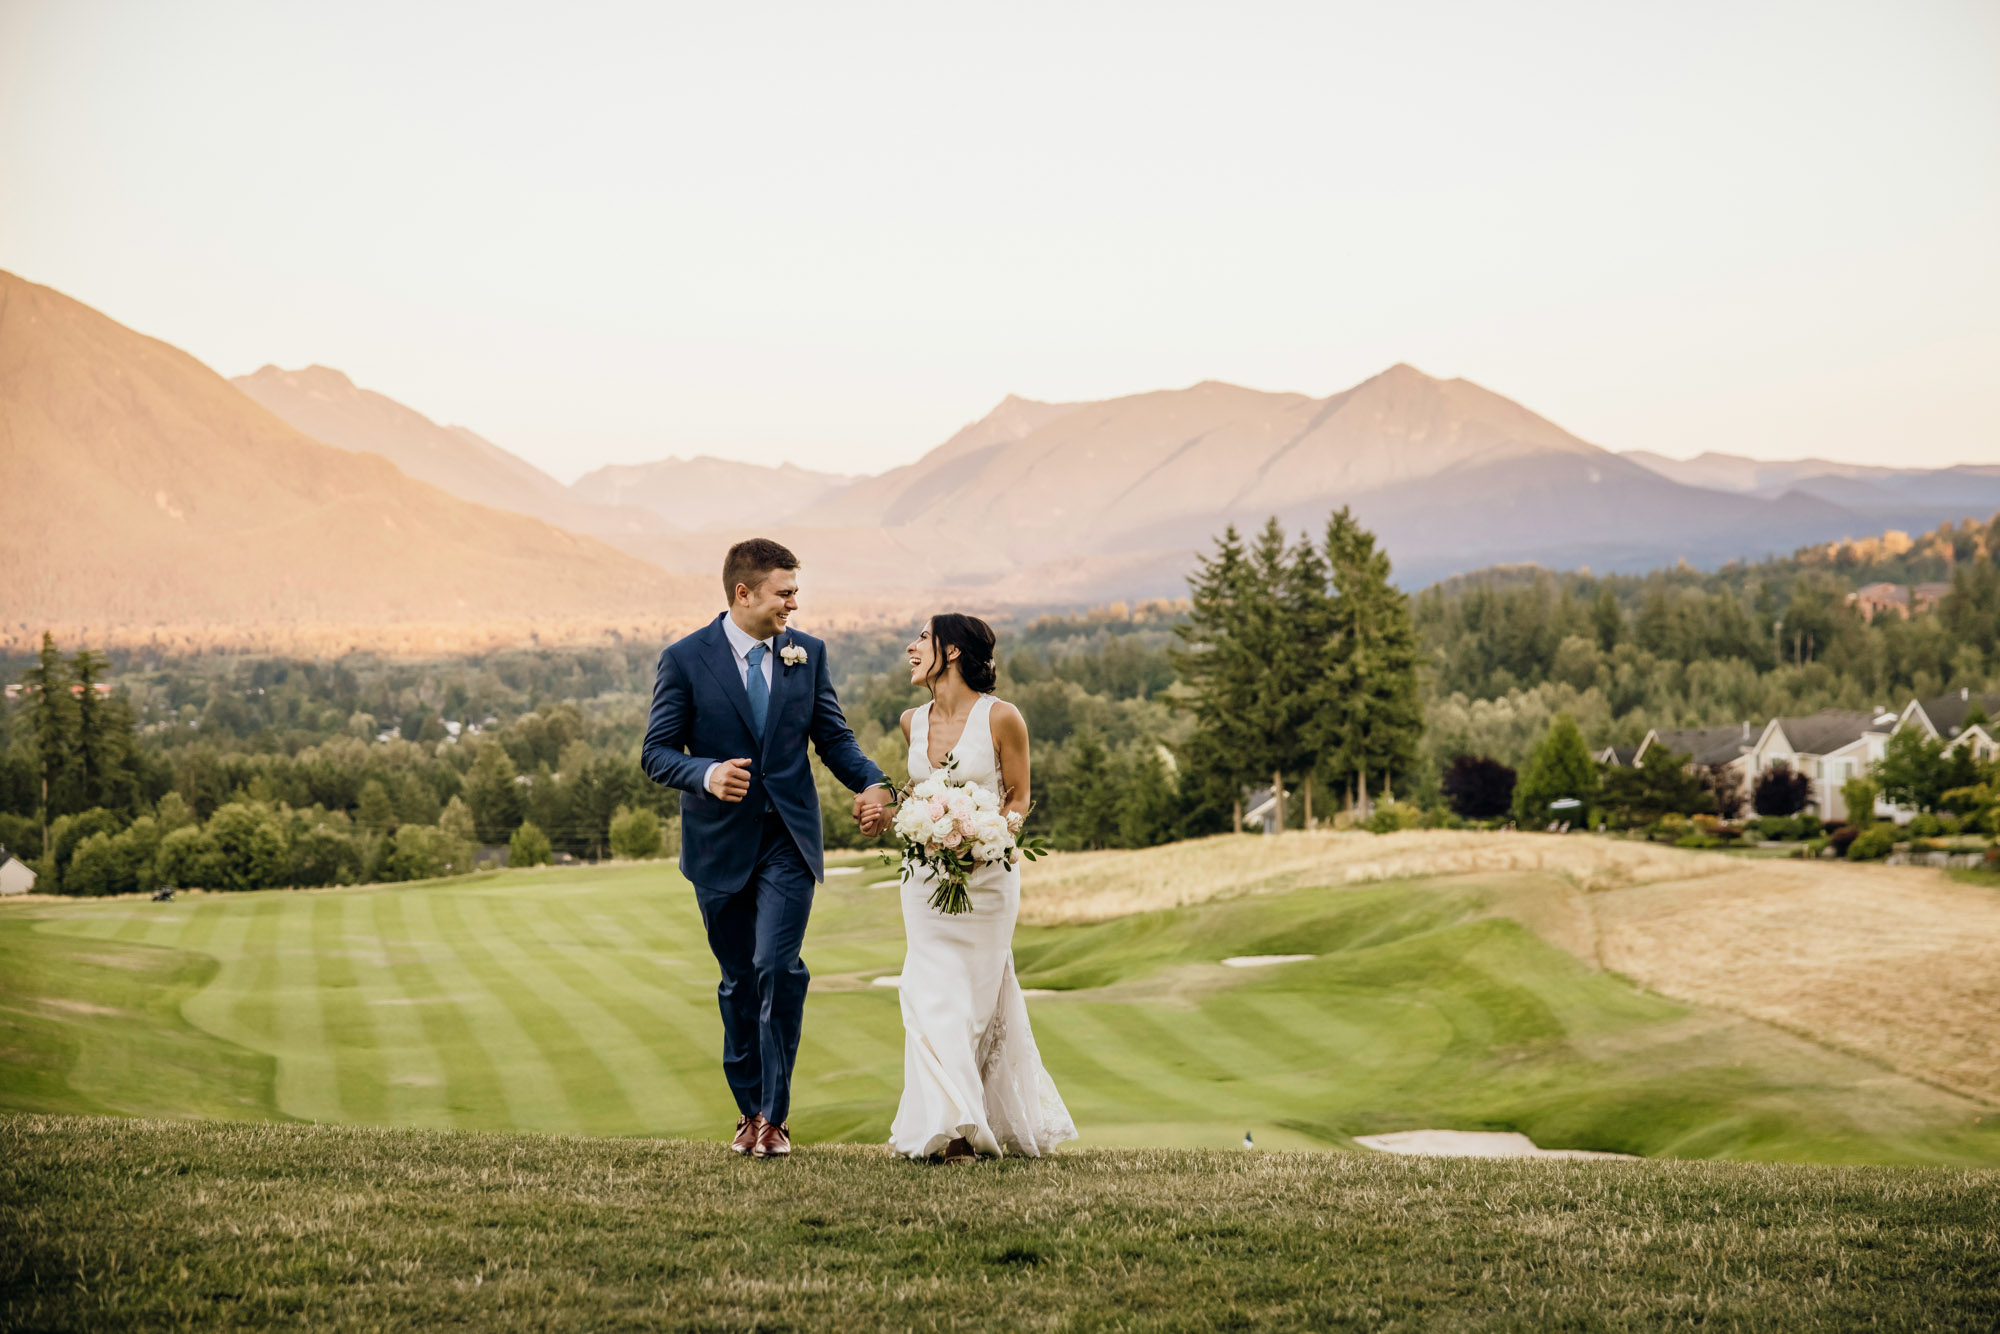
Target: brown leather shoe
<point x="773" y="1141"/>
<point x="747" y="1128"/>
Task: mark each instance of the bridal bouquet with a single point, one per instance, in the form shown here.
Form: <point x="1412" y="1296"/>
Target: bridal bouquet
<point x="953" y="827"/>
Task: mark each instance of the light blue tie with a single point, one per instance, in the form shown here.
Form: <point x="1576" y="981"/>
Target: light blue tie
<point x="760" y="693"/>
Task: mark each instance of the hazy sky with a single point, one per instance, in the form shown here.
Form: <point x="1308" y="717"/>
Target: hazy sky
<point x="834" y="233"/>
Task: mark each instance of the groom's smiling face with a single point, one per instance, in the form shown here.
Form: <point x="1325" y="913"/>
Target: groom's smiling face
<point x="762" y="612"/>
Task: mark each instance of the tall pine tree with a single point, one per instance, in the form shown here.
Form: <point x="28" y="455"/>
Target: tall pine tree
<point x="106" y="758"/>
<point x="1304" y="665"/>
<point x="1217" y="659"/>
<point x="53" y="715"/>
<point x="1370" y="717"/>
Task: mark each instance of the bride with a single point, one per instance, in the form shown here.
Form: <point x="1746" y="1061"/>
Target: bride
<point x="973" y="1082"/>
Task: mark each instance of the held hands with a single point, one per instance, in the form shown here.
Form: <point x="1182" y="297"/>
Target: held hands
<point x="730" y="780"/>
<point x="871" y="810"/>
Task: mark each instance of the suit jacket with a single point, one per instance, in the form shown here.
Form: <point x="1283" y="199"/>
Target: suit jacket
<point x="701" y="715"/>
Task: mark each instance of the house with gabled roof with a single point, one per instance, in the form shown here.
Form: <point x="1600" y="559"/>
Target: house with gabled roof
<point x="1958" y="719"/>
<point x="16" y="876"/>
<point x="1620" y="756"/>
<point x="1727" y="746"/>
<point x="1829" y="748"/>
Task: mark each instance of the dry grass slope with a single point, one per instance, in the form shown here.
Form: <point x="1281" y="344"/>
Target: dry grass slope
<point x="1097" y="886"/>
<point x="1901" y="964"/>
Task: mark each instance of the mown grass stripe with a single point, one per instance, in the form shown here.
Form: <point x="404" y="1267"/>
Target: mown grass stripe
<point x="587" y="1093"/>
<point x="415" y="1089"/>
<point x="535" y="945"/>
<point x="475" y="1095"/>
<point x="680" y="1004"/>
<point x="347" y="1028"/>
<point x="1078" y="1045"/>
<point x="308" y="1087"/>
<point x="255" y="977"/>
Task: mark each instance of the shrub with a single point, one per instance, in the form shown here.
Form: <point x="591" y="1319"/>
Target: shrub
<point x="1478" y="788"/>
<point x="1840" y="836"/>
<point x="529" y="846"/>
<point x="1809" y="825"/>
<point x="1694" y="838"/>
<point x="1391" y="816"/>
<point x="323" y="854"/>
<point x="1781" y="827"/>
<point x="1858" y="794"/>
<point x="249" y="847"/>
<point x="1559" y="767"/>
<point x="187" y="860"/>
<point x="93" y="868"/>
<point x="635" y="834"/>
<point x="1877" y="841"/>
<point x="1781" y="790"/>
<point x="1926" y="826"/>
<point x="424" y="851"/>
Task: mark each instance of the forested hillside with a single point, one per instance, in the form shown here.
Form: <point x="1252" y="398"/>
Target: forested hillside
<point x="1507" y="649"/>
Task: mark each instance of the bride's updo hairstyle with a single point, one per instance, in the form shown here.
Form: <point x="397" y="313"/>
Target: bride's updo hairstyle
<point x="974" y="639"/>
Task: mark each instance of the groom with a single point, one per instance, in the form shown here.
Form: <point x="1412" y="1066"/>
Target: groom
<point x="733" y="707"/>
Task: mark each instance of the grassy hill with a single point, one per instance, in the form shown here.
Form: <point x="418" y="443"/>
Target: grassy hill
<point x="581" y="1001"/>
<point x="158" y="1225"/>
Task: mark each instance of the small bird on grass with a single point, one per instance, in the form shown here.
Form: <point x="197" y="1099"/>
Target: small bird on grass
<point x="1247" y="1141"/>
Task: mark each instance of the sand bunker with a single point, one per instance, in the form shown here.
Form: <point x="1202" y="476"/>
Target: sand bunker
<point x="1470" y="1144"/>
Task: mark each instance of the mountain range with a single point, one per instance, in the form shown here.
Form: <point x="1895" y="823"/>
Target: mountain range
<point x="145" y="490"/>
<point x="1893" y="497"/>
<point x="146" y="496"/>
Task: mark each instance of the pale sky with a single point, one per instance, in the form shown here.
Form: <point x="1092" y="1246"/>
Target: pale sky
<point x="834" y="233"/>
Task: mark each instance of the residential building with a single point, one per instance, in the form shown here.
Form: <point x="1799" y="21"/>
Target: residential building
<point x="1727" y="746"/>
<point x="1872" y="600"/>
<point x="16" y="876"/>
<point x="1622" y="756"/>
<point x="1959" y="719"/>
<point x="1829" y="748"/>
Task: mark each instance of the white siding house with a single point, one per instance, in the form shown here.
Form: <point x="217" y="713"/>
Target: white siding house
<point x="1945" y="716"/>
<point x="1829" y="748"/>
<point x="15" y="876"/>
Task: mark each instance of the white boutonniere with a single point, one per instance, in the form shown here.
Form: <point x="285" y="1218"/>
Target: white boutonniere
<point x="794" y="655"/>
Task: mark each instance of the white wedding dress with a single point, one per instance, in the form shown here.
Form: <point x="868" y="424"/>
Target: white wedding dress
<point x="970" y="1066"/>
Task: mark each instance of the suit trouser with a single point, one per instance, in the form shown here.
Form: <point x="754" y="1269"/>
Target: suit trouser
<point x="755" y="933"/>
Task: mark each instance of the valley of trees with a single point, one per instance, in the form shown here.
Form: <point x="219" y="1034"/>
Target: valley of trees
<point x="1294" y="659"/>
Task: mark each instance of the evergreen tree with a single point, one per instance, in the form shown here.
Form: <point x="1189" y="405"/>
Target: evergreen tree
<point x="1372" y="717"/>
<point x="1660" y="784"/>
<point x="1146" y="807"/>
<point x="1089" y="809"/>
<point x="492" y="794"/>
<point x="376" y="813"/>
<point x="1307" y="662"/>
<point x="528" y="846"/>
<point x="1560" y="767"/>
<point x="1218" y="658"/>
<point x="53" y="716"/>
<point x="635" y="834"/>
<point x="106" y="758"/>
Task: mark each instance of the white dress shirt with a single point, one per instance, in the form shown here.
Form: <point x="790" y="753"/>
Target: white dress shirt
<point x="740" y="644"/>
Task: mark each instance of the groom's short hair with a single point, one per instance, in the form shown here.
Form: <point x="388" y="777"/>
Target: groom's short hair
<point x="751" y="560"/>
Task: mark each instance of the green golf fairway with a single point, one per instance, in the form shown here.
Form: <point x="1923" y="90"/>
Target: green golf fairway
<point x="581" y="1000"/>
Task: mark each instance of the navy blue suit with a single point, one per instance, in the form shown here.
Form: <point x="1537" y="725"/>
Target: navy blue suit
<point x="753" y="863"/>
